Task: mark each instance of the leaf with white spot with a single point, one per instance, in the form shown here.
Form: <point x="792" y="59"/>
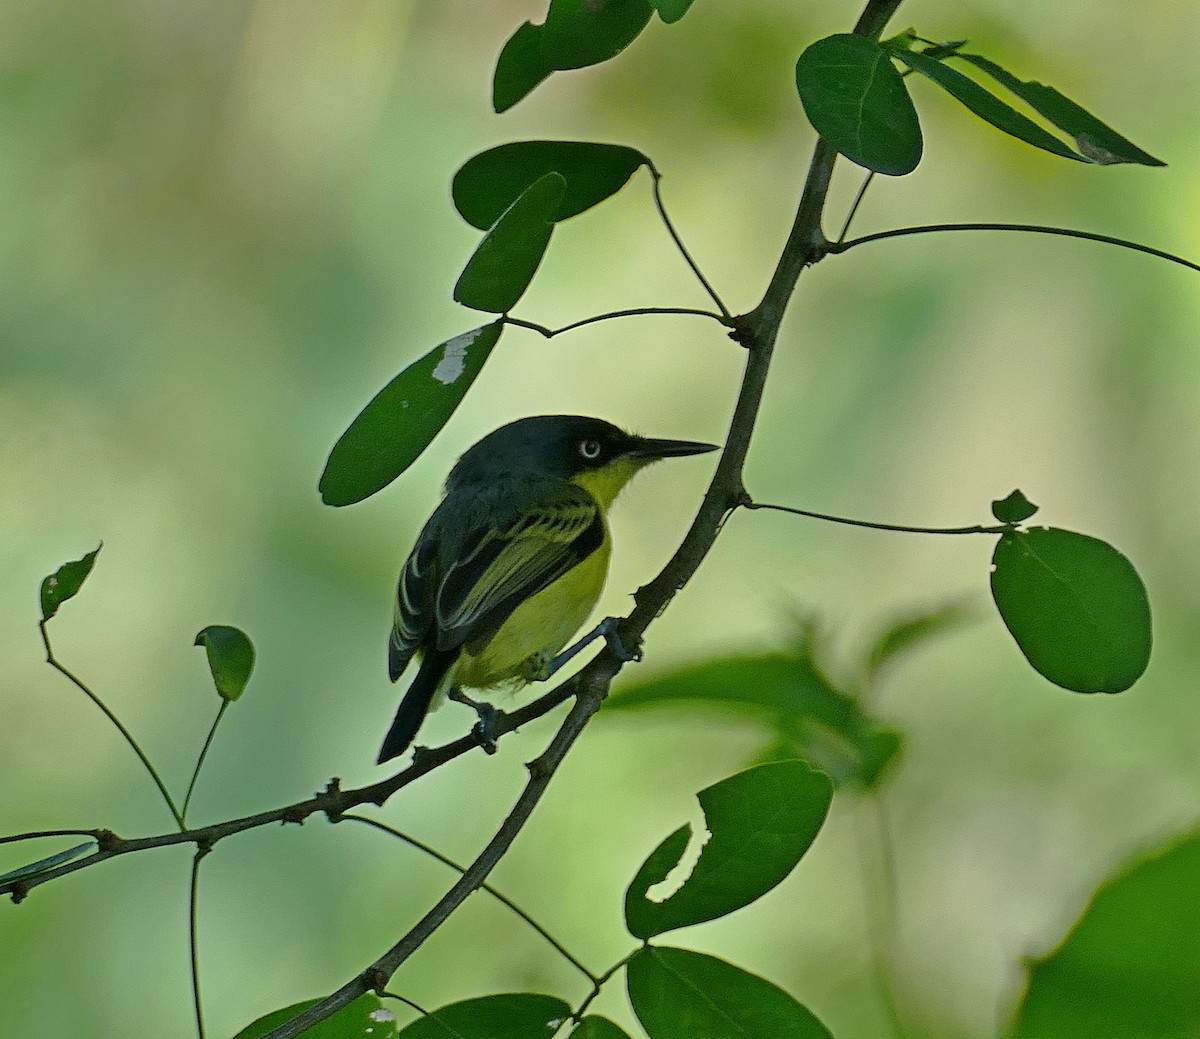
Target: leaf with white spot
<point x="390" y="433"/>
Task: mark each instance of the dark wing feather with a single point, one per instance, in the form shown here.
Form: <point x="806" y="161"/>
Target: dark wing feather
<point x="415" y="595"/>
<point x="514" y="556"/>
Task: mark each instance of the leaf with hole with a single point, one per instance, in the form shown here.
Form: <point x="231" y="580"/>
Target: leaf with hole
<point x="514" y="1015"/>
<point x="230" y="658"/>
<point x="1095" y="139"/>
<point x="680" y="994"/>
<point x="856" y="100"/>
<point x="1130" y="966"/>
<point x="578" y="33"/>
<point x="520" y="67"/>
<point x="488" y="183"/>
<point x="760" y="824"/>
<point x="389" y="434"/>
<point x="365" y="1018"/>
<point x="1075" y="606"/>
<point x="985" y="104"/>
<point x="505" y="261"/>
<point x="65" y="583"/>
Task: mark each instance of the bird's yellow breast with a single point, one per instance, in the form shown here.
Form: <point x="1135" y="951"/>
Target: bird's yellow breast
<point x="540" y="627"/>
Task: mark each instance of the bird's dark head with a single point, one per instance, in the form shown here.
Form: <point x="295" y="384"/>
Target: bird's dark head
<point x="595" y="454"/>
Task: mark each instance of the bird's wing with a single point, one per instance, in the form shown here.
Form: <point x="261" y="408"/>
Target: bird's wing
<point x="414" y="604"/>
<point x="512" y="556"/>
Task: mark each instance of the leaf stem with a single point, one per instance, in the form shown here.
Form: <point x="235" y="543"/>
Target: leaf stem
<point x="1065" y="232"/>
<point x="1002" y="528"/>
<point x="854" y="208"/>
<point x="499" y="896"/>
<point x="655" y="179"/>
<point x="550" y="333"/>
<point x="203" y="753"/>
<point x="600" y="982"/>
<point x="79" y="684"/>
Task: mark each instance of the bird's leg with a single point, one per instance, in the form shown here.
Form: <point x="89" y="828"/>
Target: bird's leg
<point x="607" y="630"/>
<point x="488" y="715"/>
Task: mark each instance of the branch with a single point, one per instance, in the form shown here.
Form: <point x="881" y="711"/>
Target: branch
<point x="541" y="770"/>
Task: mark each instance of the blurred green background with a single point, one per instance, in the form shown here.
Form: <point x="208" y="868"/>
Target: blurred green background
<point x="228" y="224"/>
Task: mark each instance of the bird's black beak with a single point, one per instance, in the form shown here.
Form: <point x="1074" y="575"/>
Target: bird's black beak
<point x="649" y="449"/>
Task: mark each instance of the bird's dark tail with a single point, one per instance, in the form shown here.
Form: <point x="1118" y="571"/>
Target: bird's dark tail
<point x="415" y="705"/>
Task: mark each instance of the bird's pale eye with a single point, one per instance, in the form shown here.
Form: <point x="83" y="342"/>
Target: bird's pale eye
<point x="589" y="449"/>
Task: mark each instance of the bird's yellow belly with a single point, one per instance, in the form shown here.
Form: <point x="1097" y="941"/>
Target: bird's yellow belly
<point x="539" y="628"/>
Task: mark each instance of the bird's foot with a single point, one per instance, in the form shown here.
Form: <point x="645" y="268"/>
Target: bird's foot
<point x="489" y="716"/>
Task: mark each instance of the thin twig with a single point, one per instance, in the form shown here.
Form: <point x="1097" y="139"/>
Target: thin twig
<point x="498" y="895"/>
<point x="656" y="179"/>
<point x="600" y="982"/>
<point x="854" y="206"/>
<point x="550" y="333"/>
<point x="193" y="940"/>
<point x="187" y="800"/>
<point x="1002" y="528"/>
<point x="79" y="684"/>
<point x="1064" y="232"/>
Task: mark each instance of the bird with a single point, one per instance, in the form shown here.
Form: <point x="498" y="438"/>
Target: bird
<point x="512" y="562"/>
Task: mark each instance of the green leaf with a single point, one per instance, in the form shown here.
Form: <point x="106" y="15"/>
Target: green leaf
<point x="913" y="631"/>
<point x="1075" y="606"/>
<point x="761" y="822"/>
<point x="365" y="1018"/>
<point x="1131" y="965"/>
<point x="1095" y="139"/>
<point x="230" y="658"/>
<point x="488" y="183"/>
<point x="509" y="255"/>
<point x="65" y="582"/>
<point x="520" y="67"/>
<point x="1016" y="508"/>
<point x="49" y="862"/>
<point x="985" y="104"/>
<point x="584" y="32"/>
<point x="671" y="10"/>
<point x="679" y="994"/>
<point x="825" y="725"/>
<point x="398" y="424"/>
<point x="593" y="1027"/>
<point x="856" y="100"/>
<point x="517" y="1015"/>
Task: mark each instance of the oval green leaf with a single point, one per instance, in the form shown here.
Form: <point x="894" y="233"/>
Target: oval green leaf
<point x="578" y="33"/>
<point x="593" y="1027"/>
<point x="856" y="100"/>
<point x="1016" y="508"/>
<point x="1131" y="966"/>
<point x="1076" y="607"/>
<point x="516" y="1015"/>
<point x="65" y="582"/>
<point x="488" y="183"/>
<point x="761" y="822"/>
<point x="389" y="434"/>
<point x="509" y="255"/>
<point x="520" y="67"/>
<point x="985" y="104"/>
<point x="1095" y="139"/>
<point x="679" y="994"/>
<point x="821" y="724"/>
<point x="671" y="10"/>
<point x="365" y="1018"/>
<point x="230" y="658"/>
